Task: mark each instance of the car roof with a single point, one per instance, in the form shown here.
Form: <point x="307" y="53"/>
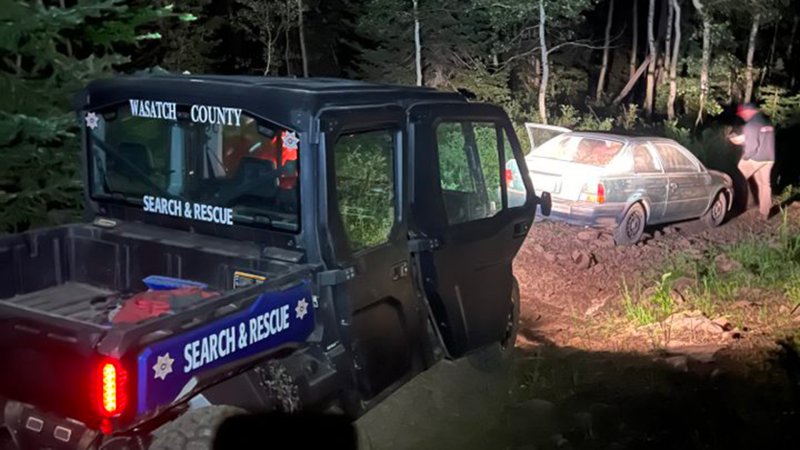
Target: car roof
<point x="625" y="139"/>
<point x="282" y="99"/>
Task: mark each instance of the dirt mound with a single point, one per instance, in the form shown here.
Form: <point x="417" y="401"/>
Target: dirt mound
<point x="573" y="280"/>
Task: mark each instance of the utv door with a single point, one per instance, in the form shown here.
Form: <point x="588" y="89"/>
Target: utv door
<point x="464" y="236"/>
<point x="377" y="307"/>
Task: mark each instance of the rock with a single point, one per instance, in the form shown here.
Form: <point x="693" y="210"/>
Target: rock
<point x="671" y="230"/>
<point x="588" y="235"/>
<point x="683" y="284"/>
<point x="723" y="323"/>
<point x="726" y="265"/>
<point x="743" y="304"/>
<point x="704" y="353"/>
<point x="538" y="248"/>
<point x="679" y="362"/>
<point x="550" y="257"/>
<point x="677" y="297"/>
<point x="658" y="234"/>
<point x="583" y="260"/>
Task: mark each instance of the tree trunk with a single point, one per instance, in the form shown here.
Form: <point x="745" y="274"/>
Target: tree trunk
<point x="301" y="30"/>
<point x="706" y="57"/>
<point x="668" y="40"/>
<point x="673" y="66"/>
<point x="651" y="68"/>
<point x="634" y="38"/>
<point x="751" y="50"/>
<point x="545" y="64"/>
<point x="417" y="45"/>
<point x="771" y="60"/>
<point x="632" y="81"/>
<point x="791" y="40"/>
<point x="286" y="51"/>
<point x="604" y="68"/>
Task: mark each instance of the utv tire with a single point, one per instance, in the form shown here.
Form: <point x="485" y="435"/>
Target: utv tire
<point x="194" y="430"/>
<point x="631" y="228"/>
<point x="512" y="327"/>
<point x="716" y="213"/>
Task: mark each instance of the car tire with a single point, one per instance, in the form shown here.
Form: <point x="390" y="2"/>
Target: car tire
<point x="631" y="228"/>
<point x="716" y="213"/>
<point x="195" y="429"/>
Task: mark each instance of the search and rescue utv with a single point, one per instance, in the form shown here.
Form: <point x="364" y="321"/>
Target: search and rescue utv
<point x="258" y="244"/>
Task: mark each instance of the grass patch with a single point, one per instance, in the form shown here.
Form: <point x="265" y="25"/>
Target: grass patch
<point x="652" y="305"/>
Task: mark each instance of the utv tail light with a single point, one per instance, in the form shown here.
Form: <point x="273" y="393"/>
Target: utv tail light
<point x="112" y="388"/>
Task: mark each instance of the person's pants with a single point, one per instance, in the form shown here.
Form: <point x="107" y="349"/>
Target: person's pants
<point x="760" y="171"/>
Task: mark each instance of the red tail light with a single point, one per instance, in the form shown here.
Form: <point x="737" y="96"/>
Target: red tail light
<point x="509" y="176"/>
<point x="112" y="388"/>
<point x="595" y="195"/>
<point x="601" y="193"/>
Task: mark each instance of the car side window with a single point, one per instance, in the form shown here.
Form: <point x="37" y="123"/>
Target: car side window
<point x="469" y="165"/>
<point x="517" y="195"/>
<point x="674" y="160"/>
<point x="365" y="186"/>
<point x="643" y="161"/>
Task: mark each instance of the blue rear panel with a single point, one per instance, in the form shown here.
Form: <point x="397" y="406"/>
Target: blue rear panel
<point x="167" y="368"/>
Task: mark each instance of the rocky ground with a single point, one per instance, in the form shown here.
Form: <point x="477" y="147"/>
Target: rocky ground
<point x="573" y="283"/>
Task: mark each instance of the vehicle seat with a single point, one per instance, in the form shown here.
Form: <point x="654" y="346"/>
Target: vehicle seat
<point x="256" y="178"/>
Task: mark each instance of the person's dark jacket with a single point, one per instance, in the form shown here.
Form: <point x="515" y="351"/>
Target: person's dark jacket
<point x="759" y="139"/>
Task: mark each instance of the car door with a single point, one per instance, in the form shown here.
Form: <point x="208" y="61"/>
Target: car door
<point x="649" y="181"/>
<point x="377" y="307"/>
<point x="686" y="188"/>
<point x="465" y="235"/>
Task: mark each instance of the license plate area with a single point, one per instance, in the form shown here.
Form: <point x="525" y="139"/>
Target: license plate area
<point x="561" y="208"/>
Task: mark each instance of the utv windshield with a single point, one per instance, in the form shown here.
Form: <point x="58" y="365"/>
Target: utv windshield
<point x="195" y="162"/>
<point x="579" y="149"/>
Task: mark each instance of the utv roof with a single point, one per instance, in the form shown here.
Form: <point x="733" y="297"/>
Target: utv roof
<point x="281" y="99"/>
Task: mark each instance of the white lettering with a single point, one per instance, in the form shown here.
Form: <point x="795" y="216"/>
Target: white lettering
<point x="187" y="356"/>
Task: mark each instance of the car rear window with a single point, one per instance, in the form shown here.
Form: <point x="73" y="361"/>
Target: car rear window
<point x="578" y="149"/>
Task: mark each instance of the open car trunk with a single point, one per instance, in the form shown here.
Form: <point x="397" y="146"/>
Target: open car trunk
<point x="59" y="287"/>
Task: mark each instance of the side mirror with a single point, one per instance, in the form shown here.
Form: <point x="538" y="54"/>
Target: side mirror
<point x="545" y="203"/>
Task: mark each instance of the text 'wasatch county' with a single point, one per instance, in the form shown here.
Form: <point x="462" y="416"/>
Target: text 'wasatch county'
<point x="213" y="115"/>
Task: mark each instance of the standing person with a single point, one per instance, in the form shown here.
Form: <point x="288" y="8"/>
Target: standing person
<point x="758" y="139"/>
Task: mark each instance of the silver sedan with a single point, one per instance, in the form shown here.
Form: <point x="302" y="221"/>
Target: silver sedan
<point x="625" y="183"/>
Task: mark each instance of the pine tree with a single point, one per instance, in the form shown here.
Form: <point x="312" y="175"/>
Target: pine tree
<point x="48" y="51"/>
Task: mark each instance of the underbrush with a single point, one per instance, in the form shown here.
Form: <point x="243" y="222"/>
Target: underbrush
<point x="761" y="266"/>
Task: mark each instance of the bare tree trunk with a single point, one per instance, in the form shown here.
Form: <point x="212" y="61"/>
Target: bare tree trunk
<point x="791" y="40"/>
<point x="632" y="81"/>
<point x="651" y="68"/>
<point x="286" y="52"/>
<point x="635" y="38"/>
<point x="771" y="60"/>
<point x="673" y="65"/>
<point x="668" y="40"/>
<point x="789" y="50"/>
<point x="301" y="30"/>
<point x="417" y="45"/>
<point x="545" y="64"/>
<point x="706" y="57"/>
<point x="66" y="41"/>
<point x="604" y="69"/>
<point x="751" y="50"/>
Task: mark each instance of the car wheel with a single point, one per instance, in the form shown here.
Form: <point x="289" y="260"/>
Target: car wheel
<point x="631" y="228"/>
<point x="716" y="214"/>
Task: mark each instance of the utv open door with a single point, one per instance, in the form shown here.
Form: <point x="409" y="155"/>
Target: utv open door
<point x="464" y="235"/>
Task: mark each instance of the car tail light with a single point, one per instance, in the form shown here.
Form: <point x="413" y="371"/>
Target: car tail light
<point x="594" y="194"/>
<point x="112" y="388"/>
<point x="509" y="176"/>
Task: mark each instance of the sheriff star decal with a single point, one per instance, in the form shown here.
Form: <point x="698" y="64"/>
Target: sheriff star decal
<point x="163" y="366"/>
<point x="301" y="309"/>
<point x="290" y="140"/>
<point x="92" y="120"/>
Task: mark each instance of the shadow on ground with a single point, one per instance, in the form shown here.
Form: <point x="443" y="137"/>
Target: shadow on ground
<point x="560" y="398"/>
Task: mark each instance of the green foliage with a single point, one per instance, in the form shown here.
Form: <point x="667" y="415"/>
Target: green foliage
<point x="782" y="107"/>
<point x="47" y="53"/>
<point x="652" y="305"/>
